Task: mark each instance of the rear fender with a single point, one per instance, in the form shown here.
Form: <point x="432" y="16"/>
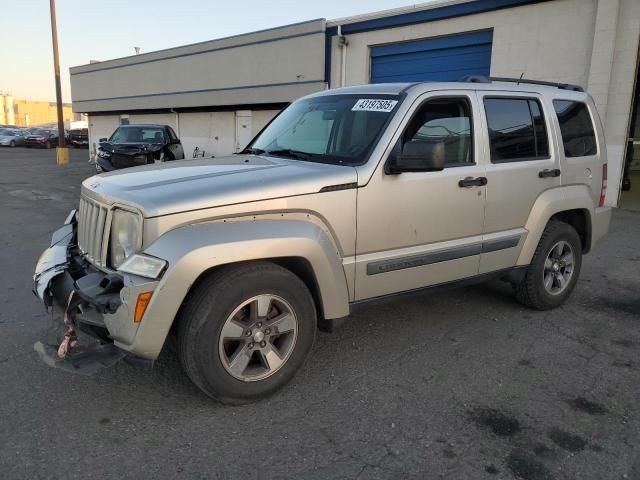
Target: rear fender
<point x="549" y="203"/>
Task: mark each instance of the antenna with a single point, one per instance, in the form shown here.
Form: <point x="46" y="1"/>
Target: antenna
<point x="521" y="75"/>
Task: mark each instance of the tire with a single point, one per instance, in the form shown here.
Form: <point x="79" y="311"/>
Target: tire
<point x="533" y="291"/>
<point x="47" y="145"/>
<point x="206" y="335"/>
<point x="12" y="144"/>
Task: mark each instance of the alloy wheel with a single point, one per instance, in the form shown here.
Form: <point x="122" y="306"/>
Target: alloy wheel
<point x="558" y="268"/>
<point x="258" y="338"/>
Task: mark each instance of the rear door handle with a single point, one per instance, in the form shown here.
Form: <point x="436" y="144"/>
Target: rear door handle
<point x="472" y="182"/>
<point x="546" y="173"/>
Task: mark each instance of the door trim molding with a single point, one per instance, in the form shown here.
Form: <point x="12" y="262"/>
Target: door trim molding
<point x="444" y="255"/>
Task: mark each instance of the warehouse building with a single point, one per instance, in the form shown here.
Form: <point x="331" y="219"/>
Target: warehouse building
<point x="217" y="95"/>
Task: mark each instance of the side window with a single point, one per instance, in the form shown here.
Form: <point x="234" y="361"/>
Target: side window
<point x="172" y="135"/>
<point x="446" y="121"/>
<point x="517" y="129"/>
<point x="576" y="128"/>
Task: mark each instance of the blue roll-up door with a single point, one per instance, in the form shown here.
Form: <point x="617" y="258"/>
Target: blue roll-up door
<point x="441" y="59"/>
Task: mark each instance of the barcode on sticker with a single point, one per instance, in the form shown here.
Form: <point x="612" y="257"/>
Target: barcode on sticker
<point x="374" y="105"/>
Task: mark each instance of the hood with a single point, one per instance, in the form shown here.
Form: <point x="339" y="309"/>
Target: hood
<point x="183" y="185"/>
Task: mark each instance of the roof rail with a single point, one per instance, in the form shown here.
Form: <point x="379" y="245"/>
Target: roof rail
<point x="483" y="79"/>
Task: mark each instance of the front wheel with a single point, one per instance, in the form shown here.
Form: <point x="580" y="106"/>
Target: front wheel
<point x="47" y="145"/>
<point x="554" y="269"/>
<point x="245" y="331"/>
<point x="12" y="144"/>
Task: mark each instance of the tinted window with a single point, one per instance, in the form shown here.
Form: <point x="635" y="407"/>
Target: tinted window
<point x="516" y="129"/>
<point x="447" y="121"/>
<point x="172" y="134"/>
<point x="577" y="130"/>
<point x="134" y="134"/>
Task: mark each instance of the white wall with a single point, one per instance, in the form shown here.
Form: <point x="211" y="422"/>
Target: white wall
<point x="100" y="126"/>
<point x="261" y="118"/>
<point x="213" y="132"/>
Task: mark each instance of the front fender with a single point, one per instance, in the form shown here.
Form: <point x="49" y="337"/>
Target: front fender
<point x="550" y="202"/>
<point x="194" y="249"/>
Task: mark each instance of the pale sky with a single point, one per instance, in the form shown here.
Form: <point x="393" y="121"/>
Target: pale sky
<point x="102" y="30"/>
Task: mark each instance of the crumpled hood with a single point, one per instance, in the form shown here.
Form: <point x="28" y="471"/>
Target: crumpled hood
<point x="183" y="185"/>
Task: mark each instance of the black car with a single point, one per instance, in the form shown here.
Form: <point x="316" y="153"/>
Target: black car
<point x="78" y="138"/>
<point x="42" y="137"/>
<point x="133" y="145"/>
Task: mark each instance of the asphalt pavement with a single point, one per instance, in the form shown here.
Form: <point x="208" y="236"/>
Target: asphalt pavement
<point x="465" y="384"/>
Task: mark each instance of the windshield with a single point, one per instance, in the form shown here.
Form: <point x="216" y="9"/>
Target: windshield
<point x="4" y="132"/>
<point x="40" y="131"/>
<point x="138" y="134"/>
<point x="337" y="129"/>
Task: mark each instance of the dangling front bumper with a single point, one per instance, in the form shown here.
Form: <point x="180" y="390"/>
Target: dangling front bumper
<point x="92" y="307"/>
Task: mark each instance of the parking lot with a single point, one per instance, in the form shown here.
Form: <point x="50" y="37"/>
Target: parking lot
<point x="465" y="384"/>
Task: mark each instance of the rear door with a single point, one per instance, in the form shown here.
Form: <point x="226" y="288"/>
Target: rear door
<point x="522" y="164"/>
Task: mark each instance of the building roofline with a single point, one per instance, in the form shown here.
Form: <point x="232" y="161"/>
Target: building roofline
<point x="421" y="13"/>
<point x="394" y="11"/>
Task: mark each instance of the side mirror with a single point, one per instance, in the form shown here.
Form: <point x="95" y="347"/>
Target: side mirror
<point x="103" y="139"/>
<point x="417" y="156"/>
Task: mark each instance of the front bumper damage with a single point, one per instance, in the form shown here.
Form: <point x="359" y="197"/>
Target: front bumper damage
<point x="86" y="308"/>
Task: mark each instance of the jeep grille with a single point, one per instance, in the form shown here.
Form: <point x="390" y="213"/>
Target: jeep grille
<point x="93" y="231"/>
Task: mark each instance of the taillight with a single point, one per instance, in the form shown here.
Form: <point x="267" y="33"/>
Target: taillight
<point x="603" y="188"/>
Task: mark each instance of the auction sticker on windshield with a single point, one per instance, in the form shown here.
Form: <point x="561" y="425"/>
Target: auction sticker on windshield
<point x="374" y="105"/>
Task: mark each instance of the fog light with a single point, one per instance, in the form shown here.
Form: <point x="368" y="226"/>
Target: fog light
<point x="141" y="305"/>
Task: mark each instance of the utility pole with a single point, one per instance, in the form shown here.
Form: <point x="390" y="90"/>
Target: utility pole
<point x="62" y="152"/>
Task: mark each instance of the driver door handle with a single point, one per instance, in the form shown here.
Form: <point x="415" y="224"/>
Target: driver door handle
<point x="472" y="182"/>
<point x="546" y="173"/>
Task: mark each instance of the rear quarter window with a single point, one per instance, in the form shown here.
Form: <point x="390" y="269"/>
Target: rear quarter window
<point x="517" y="130"/>
<point x="576" y="127"/>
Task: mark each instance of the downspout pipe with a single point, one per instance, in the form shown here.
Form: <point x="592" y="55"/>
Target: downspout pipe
<point x="343" y="42"/>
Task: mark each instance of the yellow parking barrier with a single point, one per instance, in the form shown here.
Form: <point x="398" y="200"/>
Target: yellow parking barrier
<point x="62" y="156"/>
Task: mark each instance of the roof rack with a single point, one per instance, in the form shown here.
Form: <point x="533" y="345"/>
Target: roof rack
<point x="483" y="79"/>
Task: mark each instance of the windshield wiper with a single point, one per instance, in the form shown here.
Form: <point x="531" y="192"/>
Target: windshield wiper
<point x="252" y="151"/>
<point x="287" y="152"/>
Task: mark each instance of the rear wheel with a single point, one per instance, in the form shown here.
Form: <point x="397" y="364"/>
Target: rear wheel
<point x="554" y="269"/>
<point x="245" y="331"/>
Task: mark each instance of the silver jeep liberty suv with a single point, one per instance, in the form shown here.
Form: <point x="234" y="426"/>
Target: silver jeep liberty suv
<point x="347" y="196"/>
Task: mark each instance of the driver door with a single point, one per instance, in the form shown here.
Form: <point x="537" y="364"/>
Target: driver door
<point x="418" y="229"/>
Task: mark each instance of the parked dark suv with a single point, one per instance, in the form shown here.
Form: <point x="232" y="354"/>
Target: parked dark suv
<point x="134" y="145"/>
<point x="42" y="137"/>
<point x="78" y="138"/>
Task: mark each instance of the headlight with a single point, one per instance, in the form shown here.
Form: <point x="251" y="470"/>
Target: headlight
<point x="143" y="265"/>
<point x="126" y="235"/>
<point x="103" y="154"/>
